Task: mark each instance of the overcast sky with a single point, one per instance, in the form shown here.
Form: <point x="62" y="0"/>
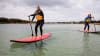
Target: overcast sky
<point x="54" y="10"/>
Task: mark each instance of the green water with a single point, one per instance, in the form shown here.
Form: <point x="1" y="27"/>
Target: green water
<point x="66" y="40"/>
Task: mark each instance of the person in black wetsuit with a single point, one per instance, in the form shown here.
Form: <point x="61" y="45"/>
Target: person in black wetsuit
<point x="40" y="20"/>
<point x="88" y="19"/>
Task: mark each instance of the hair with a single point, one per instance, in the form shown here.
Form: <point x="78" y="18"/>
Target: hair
<point x="38" y="6"/>
<point x="89" y="14"/>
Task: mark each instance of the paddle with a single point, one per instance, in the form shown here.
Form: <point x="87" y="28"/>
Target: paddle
<point x="94" y="25"/>
<point x="31" y="26"/>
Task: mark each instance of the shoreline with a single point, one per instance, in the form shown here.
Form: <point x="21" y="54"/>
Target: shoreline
<point x="4" y="20"/>
<point x="51" y="23"/>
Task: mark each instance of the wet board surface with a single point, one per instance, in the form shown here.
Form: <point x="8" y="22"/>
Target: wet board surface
<point x="89" y="31"/>
<point x="32" y="39"/>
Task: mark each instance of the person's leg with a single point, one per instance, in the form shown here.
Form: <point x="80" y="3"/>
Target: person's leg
<point x="85" y="26"/>
<point x="88" y="26"/>
<point x="41" y="30"/>
<point x="36" y="28"/>
<point x="41" y="26"/>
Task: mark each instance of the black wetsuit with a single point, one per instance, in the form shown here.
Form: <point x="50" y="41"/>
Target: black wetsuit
<point x="86" y="25"/>
<point x="39" y="22"/>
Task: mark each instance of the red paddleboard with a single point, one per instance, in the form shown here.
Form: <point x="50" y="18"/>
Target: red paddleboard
<point x="32" y="39"/>
<point x="89" y="31"/>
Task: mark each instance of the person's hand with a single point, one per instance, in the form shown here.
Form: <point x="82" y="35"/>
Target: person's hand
<point x="28" y="15"/>
<point x="30" y="22"/>
<point x="93" y="17"/>
<point x="93" y="23"/>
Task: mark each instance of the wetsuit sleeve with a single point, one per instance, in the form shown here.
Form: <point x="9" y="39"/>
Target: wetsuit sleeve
<point x="33" y="15"/>
<point x="90" y="19"/>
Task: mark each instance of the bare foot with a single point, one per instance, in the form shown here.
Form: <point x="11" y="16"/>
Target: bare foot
<point x="41" y="36"/>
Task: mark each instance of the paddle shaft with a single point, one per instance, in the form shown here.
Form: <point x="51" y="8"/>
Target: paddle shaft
<point x="94" y="26"/>
<point x="31" y="26"/>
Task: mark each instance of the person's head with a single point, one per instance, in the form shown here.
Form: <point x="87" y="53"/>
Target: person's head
<point x="38" y="7"/>
<point x="89" y="15"/>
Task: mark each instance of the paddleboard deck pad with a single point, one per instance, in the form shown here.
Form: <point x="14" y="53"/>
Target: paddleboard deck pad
<point x="89" y="31"/>
<point x="32" y="39"/>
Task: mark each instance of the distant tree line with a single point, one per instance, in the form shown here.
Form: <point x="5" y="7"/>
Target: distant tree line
<point x="4" y="20"/>
<point x="80" y="22"/>
<point x="12" y="20"/>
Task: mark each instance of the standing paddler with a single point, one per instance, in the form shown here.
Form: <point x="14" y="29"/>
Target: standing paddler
<point x="40" y="19"/>
<point x="88" y="19"/>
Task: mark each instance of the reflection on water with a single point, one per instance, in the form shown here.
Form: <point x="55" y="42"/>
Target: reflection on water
<point x="86" y="44"/>
<point x="35" y="48"/>
<point x="40" y="49"/>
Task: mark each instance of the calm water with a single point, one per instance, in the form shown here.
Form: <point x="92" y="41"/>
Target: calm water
<point x="66" y="40"/>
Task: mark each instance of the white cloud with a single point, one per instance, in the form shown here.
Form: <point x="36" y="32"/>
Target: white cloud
<point x="54" y="10"/>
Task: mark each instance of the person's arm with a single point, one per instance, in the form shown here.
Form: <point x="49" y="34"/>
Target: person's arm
<point x="32" y="18"/>
<point x="33" y="15"/>
<point x="92" y="18"/>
